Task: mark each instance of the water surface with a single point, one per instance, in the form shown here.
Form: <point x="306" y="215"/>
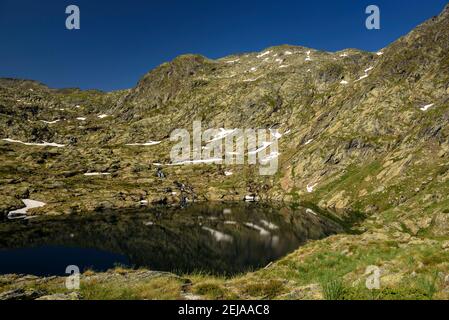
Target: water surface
<point x="214" y="238"/>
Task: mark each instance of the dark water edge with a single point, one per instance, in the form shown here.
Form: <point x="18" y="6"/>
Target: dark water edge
<point x="215" y="238"/>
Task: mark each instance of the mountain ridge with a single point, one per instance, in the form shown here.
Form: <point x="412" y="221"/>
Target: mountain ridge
<point x="364" y="137"/>
<point x="343" y="110"/>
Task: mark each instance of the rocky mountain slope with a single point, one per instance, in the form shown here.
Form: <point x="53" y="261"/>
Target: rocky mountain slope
<point x="376" y="117"/>
<point x="362" y="133"/>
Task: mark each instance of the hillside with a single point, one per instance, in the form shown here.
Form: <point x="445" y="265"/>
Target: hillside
<point x="364" y="135"/>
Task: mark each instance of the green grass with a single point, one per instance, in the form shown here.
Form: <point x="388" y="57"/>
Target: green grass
<point x="157" y="288"/>
<point x="333" y="289"/>
<point x="399" y="293"/>
<point x="264" y="290"/>
<point x="428" y="284"/>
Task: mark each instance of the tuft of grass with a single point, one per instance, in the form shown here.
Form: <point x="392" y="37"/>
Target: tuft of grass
<point x="429" y="285"/>
<point x="333" y="289"/>
<point x="264" y="290"/>
<point x="156" y="288"/>
<point x="89" y="273"/>
<point x="398" y="293"/>
<point x="121" y="269"/>
<point x="210" y="290"/>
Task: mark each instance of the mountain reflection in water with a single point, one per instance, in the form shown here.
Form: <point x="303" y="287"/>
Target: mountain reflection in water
<point x="214" y="238"/>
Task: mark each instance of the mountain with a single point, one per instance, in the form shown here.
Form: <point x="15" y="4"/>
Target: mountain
<point x="356" y="122"/>
<point x="365" y="135"/>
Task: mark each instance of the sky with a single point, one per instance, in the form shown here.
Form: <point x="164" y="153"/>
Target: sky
<point x="120" y="41"/>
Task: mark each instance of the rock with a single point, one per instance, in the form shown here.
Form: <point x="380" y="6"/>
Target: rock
<point x="309" y="292"/>
<point x="21" y="294"/>
<point x="445" y="245"/>
<point x="8" y="203"/>
<point x="440" y="224"/>
<point x="391" y="280"/>
<point x="371" y="209"/>
<point x="402" y="237"/>
<point x="363" y="193"/>
<point x="375" y="236"/>
<point x="411" y="226"/>
<point x="339" y="201"/>
<point x="61" y="296"/>
<point x="27" y="278"/>
<point x="191" y="296"/>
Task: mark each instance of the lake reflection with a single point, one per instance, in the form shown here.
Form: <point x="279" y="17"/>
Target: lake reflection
<point x="215" y="238"/>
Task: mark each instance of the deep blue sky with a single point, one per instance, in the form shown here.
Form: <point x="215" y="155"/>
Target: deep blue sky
<point x="120" y="41"/>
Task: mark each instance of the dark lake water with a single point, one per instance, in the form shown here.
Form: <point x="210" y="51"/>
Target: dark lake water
<point x="213" y="238"/>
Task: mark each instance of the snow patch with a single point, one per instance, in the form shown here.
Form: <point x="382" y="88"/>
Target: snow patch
<point x="252" y="80"/>
<point x="50" y="122"/>
<point x="427" y="107"/>
<point x="228" y="173"/>
<point x="94" y="174"/>
<point x="102" y="116"/>
<point x="308" y="56"/>
<point x="250" y="198"/>
<point x="365" y="75"/>
<point x="362" y="77"/>
<point x="213" y="160"/>
<point x="81" y="119"/>
<point x="263" y="54"/>
<point x="222" y="134"/>
<point x="233" y="153"/>
<point x="276" y="134"/>
<point x="265" y="145"/>
<point x="150" y="143"/>
<point x="270" y="157"/>
<point x="311" y="188"/>
<point x="344" y="82"/>
<point x="308" y="142"/>
<point x="29" y="204"/>
<point x="44" y="144"/>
